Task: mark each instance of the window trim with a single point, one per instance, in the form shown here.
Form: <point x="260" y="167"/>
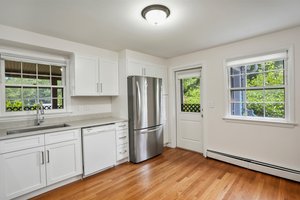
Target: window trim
<point x="14" y="56"/>
<point x="289" y="89"/>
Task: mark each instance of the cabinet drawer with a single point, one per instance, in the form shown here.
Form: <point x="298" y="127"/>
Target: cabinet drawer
<point x="122" y="139"/>
<point x="121" y="126"/>
<point x="122" y="151"/>
<point x="21" y="143"/>
<point x="62" y="136"/>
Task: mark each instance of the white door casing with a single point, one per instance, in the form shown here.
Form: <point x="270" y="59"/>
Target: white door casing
<point x="189" y="124"/>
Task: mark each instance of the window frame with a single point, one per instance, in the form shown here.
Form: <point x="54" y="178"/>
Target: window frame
<point x="288" y="85"/>
<point x="35" y="60"/>
<point x="189" y="73"/>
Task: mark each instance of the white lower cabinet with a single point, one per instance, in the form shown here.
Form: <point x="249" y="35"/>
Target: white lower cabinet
<point x="122" y="142"/>
<point x="63" y="161"/>
<point x="22" y="172"/>
<point x="29" y="169"/>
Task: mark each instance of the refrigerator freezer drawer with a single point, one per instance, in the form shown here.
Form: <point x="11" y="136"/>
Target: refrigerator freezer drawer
<point x="147" y="143"/>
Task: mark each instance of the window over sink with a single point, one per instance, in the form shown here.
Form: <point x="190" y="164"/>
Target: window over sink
<point x="27" y="83"/>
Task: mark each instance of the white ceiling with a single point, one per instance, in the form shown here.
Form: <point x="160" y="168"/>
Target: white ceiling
<point x="117" y="24"/>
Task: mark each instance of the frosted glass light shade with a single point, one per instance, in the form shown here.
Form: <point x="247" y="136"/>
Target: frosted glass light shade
<point x="156" y="17"/>
<point x="156" y="14"/>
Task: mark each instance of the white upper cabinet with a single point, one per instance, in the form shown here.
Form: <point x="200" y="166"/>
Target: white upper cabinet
<point x="94" y="76"/>
<point x="137" y="68"/>
<point x="86" y="76"/>
<point x="109" y="82"/>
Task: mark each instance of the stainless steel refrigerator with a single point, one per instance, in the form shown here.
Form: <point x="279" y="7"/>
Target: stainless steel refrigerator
<point x="145" y="120"/>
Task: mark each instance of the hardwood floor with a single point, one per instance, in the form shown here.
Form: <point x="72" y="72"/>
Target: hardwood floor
<point x="178" y="174"/>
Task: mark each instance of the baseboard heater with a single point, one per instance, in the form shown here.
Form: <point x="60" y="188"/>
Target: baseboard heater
<point x="256" y="165"/>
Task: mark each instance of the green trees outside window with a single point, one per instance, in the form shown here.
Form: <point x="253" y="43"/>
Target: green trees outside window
<point x="27" y="84"/>
<point x="190" y="94"/>
<point x="258" y="90"/>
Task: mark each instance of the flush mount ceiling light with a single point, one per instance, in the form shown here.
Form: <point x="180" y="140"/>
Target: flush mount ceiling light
<point x="156" y="14"/>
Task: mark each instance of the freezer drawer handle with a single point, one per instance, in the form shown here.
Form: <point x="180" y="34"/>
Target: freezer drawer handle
<point x="148" y="131"/>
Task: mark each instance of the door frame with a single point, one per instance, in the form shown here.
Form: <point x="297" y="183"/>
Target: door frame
<point x="178" y="101"/>
<point x="173" y="106"/>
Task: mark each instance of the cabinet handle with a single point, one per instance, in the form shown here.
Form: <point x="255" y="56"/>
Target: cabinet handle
<point x="48" y="156"/>
<point x="123" y="137"/>
<point x="97" y="84"/>
<point x="122" y="152"/>
<point x="43" y="158"/>
<point x="101" y="87"/>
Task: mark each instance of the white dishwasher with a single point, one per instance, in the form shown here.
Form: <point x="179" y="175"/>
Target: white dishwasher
<point x="99" y="148"/>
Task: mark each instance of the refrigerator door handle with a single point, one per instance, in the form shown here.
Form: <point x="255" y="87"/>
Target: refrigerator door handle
<point x="139" y="109"/>
<point x="148" y="131"/>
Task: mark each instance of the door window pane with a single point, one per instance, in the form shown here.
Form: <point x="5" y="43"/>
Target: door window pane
<point x="190" y="94"/>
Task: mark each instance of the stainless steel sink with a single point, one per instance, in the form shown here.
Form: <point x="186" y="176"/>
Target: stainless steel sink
<point x="36" y="128"/>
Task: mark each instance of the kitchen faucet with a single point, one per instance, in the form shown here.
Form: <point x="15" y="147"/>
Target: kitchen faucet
<point x="39" y="114"/>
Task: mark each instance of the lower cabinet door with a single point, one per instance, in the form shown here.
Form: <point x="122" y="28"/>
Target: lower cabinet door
<point x="21" y="172"/>
<point x="63" y="160"/>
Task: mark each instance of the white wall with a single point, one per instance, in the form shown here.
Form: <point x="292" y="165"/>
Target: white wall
<point x="272" y="144"/>
<point x="34" y="44"/>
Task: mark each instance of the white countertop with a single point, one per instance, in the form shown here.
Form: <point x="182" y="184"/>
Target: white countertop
<point x="72" y="125"/>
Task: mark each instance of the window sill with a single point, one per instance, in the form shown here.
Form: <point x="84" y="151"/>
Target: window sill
<point x="265" y="122"/>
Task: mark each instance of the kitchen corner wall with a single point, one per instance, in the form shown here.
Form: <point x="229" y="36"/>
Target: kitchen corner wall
<point x="275" y="144"/>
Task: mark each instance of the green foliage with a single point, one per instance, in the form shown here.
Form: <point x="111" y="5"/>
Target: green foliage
<point x="191" y="90"/>
<point x="272" y="100"/>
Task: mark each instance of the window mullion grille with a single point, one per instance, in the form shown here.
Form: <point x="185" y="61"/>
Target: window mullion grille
<point x="37" y="87"/>
<point x="22" y="87"/>
<point x="51" y="94"/>
<point x="264" y="89"/>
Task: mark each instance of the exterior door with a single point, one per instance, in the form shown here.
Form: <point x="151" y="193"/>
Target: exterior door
<point x="189" y="116"/>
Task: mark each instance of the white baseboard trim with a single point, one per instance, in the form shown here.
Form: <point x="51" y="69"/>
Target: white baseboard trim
<point x="255" y="165"/>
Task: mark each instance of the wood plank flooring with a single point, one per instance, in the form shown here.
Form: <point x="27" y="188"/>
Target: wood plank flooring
<point x="178" y="174"/>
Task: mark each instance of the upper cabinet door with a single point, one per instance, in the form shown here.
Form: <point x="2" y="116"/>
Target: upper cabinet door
<point x="154" y="71"/>
<point x="86" y="76"/>
<point x="135" y="69"/>
<point x="109" y="81"/>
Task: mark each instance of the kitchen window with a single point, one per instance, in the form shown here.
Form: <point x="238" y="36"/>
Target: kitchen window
<point x="26" y="83"/>
<point x="258" y="87"/>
